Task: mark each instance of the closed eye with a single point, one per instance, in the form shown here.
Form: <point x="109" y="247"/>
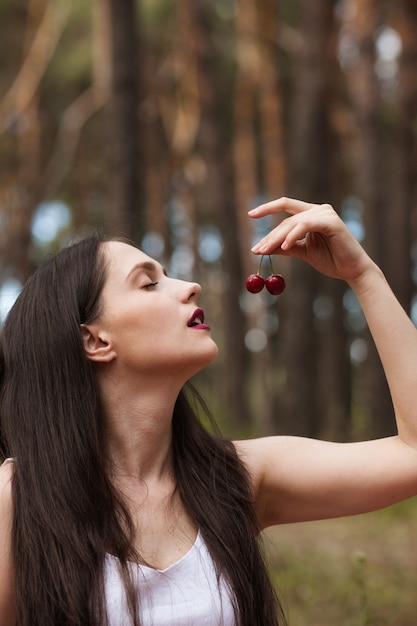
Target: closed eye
<point x="150" y="285"/>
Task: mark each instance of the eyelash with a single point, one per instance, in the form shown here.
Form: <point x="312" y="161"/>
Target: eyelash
<point x="149" y="285"/>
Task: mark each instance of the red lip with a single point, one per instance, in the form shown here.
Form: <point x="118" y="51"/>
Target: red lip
<point x="197" y="320"/>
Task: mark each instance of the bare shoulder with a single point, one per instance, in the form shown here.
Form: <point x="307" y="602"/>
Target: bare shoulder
<point x="252" y="453"/>
<point x="6" y="475"/>
<point x="7" y="598"/>
<point x="249" y="449"/>
<point x="6" y="507"/>
<point x="259" y="456"/>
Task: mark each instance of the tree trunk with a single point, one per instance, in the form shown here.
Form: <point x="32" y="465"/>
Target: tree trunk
<point x="335" y="384"/>
<point x="125" y="214"/>
<point x="272" y="183"/>
<point x="308" y="181"/>
<point x="246" y="168"/>
<point x="399" y="227"/>
<point x="273" y="164"/>
<point x="220" y="202"/>
<point x="25" y="194"/>
<point x="370" y="173"/>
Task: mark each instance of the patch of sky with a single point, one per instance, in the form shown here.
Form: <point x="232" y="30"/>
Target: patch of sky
<point x="256" y="340"/>
<point x="182" y="263"/>
<point x="388" y="43"/>
<point x="181" y="225"/>
<point x="388" y="46"/>
<point x="351" y="212"/>
<point x="413" y="310"/>
<point x="49" y="220"/>
<point x="210" y="244"/>
<point x="9" y="291"/>
<point x="153" y="244"/>
<point x="354" y="318"/>
<point x="358" y="351"/>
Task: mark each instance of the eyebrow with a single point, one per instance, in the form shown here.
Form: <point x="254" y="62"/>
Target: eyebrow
<point x="146" y="265"/>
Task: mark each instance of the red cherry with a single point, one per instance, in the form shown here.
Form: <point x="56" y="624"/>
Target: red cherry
<point x="275" y="284"/>
<point x="255" y="283"/>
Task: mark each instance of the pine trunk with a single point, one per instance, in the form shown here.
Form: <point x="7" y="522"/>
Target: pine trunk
<point x="124" y="210"/>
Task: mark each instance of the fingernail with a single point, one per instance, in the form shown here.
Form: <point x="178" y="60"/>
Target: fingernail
<point x="260" y="247"/>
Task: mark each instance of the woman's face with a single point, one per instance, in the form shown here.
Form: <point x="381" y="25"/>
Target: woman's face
<point x="152" y="321"/>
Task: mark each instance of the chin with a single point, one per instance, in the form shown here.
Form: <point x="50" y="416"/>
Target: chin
<point x="206" y="357"/>
<point x="214" y="351"/>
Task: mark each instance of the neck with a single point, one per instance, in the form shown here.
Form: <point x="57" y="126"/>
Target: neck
<point x="139" y="428"/>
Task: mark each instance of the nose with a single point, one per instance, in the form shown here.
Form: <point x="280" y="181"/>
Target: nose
<point x="192" y="291"/>
<point x="184" y="290"/>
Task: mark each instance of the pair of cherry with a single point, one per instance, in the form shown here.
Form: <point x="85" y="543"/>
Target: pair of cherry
<point x="275" y="283"/>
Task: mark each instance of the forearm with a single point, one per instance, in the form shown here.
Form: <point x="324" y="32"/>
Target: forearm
<point x="395" y="337"/>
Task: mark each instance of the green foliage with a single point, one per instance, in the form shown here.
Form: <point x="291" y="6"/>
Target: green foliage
<point x="71" y="64"/>
<point x="350" y="572"/>
<point x="157" y="15"/>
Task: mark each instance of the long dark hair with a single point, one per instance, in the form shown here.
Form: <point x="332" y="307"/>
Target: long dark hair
<point x="67" y="513"/>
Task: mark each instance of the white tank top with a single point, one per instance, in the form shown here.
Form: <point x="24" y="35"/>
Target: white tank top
<point x="184" y="594"/>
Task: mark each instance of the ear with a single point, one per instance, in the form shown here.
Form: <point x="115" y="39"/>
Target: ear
<point x="97" y="346"/>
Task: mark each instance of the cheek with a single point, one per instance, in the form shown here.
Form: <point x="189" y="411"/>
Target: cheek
<point x="149" y="335"/>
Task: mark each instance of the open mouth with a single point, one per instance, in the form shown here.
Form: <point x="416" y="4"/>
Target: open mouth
<point x="197" y="318"/>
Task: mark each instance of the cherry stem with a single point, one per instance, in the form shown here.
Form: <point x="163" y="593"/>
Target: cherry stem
<point x="260" y="264"/>
<point x="270" y="263"/>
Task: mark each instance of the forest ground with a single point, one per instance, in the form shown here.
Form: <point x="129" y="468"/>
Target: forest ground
<point x="358" y="571"/>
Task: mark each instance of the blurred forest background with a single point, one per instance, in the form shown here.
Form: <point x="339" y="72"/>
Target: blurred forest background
<point x="167" y="120"/>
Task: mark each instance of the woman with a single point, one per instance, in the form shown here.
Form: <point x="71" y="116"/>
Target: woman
<point x="117" y="507"/>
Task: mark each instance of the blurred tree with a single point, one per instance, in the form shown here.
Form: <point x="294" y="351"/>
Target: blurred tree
<point x="401" y="231"/>
<point x="125" y="211"/>
<point x="309" y="151"/>
<point x="335" y="386"/>
<point x="247" y="186"/>
<point x="370" y="172"/>
<point x="20" y="111"/>
<point x="85" y="104"/>
<point x="219" y="200"/>
<point x="201" y="109"/>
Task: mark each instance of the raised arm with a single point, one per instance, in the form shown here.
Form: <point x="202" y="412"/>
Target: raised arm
<point x="319" y="479"/>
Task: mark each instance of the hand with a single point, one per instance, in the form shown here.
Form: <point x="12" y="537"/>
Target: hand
<point x="313" y="233"/>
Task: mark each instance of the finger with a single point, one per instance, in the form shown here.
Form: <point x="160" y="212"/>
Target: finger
<point x="295" y="235"/>
<point x="297" y="250"/>
<point x="283" y="236"/>
<point x="288" y="205"/>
